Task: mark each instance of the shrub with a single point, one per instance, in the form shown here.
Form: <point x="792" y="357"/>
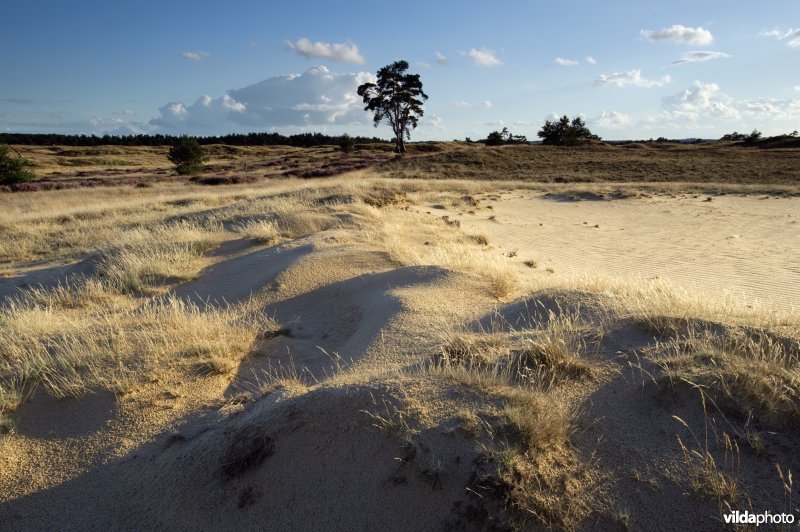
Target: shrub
<point x="346" y="143"/>
<point x="499" y="138"/>
<point x="565" y="132"/>
<point x="187" y="155"/>
<point x="13" y="169"/>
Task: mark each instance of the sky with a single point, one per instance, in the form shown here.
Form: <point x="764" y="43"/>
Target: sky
<point x="632" y="70"/>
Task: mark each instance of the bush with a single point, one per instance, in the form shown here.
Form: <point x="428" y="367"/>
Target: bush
<point x="346" y="143"/>
<point x="566" y="133"/>
<point x="187" y="155"/>
<point x="753" y="137"/>
<point x="13" y="169"/>
<point x="499" y="138"/>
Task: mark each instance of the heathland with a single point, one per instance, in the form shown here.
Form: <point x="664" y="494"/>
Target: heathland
<point x="467" y="337"/>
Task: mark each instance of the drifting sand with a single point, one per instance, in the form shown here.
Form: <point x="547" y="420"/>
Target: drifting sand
<point x="742" y="248"/>
<point x="356" y="442"/>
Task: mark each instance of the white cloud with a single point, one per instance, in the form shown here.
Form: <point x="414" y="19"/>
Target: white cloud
<point x="462" y="104"/>
<point x="771" y="109"/>
<point x="791" y="36"/>
<point x="631" y="78"/>
<point x="679" y="34"/>
<point x="565" y="62"/>
<point x="318" y="97"/>
<point x="704" y="105"/>
<point x="591" y="60"/>
<point x="484" y="57"/>
<point x="346" y="52"/>
<point x="195" y="56"/>
<point x="612" y="120"/>
<point x="797" y="87"/>
<point x="701" y="100"/>
<point x="699" y="57"/>
<point x="487" y="104"/>
<point x="441" y="59"/>
<point x="433" y="121"/>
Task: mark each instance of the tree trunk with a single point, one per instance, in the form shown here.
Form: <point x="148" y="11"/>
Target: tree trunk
<point x="401" y="145"/>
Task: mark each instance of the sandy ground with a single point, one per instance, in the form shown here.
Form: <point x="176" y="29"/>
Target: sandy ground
<point x="744" y="248"/>
<point x="193" y="451"/>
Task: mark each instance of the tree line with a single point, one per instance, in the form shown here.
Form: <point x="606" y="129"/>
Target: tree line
<point x="300" y="140"/>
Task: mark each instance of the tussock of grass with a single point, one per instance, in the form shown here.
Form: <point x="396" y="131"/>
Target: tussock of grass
<point x="540" y="475"/>
<point x="262" y="231"/>
<point x="72" y="348"/>
<point x="753" y="373"/>
<point x="552" y="354"/>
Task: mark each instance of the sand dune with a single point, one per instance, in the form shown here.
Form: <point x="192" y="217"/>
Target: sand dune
<point x="399" y="390"/>
<point x="742" y="248"/>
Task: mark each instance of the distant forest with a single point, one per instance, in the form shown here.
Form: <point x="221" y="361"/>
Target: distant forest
<point x="304" y="140"/>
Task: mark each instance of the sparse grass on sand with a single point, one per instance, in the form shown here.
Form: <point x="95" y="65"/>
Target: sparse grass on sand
<point x="511" y="396"/>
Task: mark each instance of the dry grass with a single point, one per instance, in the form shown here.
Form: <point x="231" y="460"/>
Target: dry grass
<point x="542" y="477"/>
<point x="751" y="371"/>
<point x="75" y="339"/>
<point x="104" y="333"/>
<point x="602" y="163"/>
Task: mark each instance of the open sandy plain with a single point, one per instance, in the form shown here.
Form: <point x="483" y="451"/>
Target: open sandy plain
<point x="361" y="352"/>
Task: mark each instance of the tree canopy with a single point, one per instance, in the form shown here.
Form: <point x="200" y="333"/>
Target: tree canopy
<point x="499" y="138"/>
<point x="395" y="99"/>
<point x="565" y="132"/>
<point x="187" y="156"/>
<point x="13" y="168"/>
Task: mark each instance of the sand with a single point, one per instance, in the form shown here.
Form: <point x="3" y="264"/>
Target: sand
<point x="746" y="249"/>
<point x="354" y="438"/>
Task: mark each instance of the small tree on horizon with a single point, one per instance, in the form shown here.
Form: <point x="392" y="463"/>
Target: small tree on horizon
<point x="565" y="132"/>
<point x="500" y="138"/>
<point x="187" y="155"/>
<point x="346" y="143"/>
<point x="13" y="169"/>
<point x="395" y="99"/>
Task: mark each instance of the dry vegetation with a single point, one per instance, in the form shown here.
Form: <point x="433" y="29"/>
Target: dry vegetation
<point x="490" y="410"/>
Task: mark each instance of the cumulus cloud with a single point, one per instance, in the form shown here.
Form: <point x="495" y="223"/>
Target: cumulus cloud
<point x="612" y="120"/>
<point x="790" y="36"/>
<point x="679" y="34"/>
<point x="484" y="57"/>
<point x="565" y="62"/>
<point x="487" y="104"/>
<point x="631" y="78"/>
<point x="701" y="100"/>
<point x="704" y="105"/>
<point x="797" y="87"/>
<point x="346" y="52"/>
<point x="441" y="59"/>
<point x="591" y="60"/>
<point x="318" y="97"/>
<point x="195" y="56"/>
<point x="699" y="57"/>
<point x="771" y="109"/>
<point x="433" y="121"/>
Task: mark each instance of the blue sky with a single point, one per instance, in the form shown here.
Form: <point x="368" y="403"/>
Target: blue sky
<point x="632" y="69"/>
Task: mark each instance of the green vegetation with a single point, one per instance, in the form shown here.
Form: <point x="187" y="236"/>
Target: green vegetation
<point x="187" y="156"/>
<point x="499" y="138"/>
<point x="346" y="143"/>
<point x="565" y="132"/>
<point x="13" y="168"/>
<point x="396" y="99"/>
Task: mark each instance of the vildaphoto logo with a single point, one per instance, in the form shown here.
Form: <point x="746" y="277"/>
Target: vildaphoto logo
<point x="764" y="518"/>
